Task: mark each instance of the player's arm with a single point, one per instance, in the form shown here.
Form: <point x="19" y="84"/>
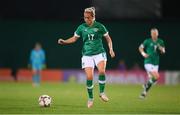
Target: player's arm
<point x="77" y="34"/>
<point x="68" y="41"/>
<point x="110" y="45"/>
<point x="161" y="48"/>
<point x="141" y="50"/>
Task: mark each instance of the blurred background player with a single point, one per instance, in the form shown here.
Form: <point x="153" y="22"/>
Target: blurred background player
<point x="93" y="52"/>
<point x="122" y="65"/>
<point x="37" y="63"/>
<point x="150" y="49"/>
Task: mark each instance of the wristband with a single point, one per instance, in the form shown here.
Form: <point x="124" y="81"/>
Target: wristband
<point x="143" y="54"/>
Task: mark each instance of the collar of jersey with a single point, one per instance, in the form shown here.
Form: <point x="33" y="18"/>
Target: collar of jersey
<point x="92" y="25"/>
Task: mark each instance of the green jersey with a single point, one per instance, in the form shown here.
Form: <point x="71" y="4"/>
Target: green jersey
<point x="152" y="49"/>
<point x="92" y="38"/>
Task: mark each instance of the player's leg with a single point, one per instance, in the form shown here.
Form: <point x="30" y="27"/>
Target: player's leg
<point x="88" y="66"/>
<point x="39" y="68"/>
<point x="89" y="83"/>
<point x="38" y="77"/>
<point x="153" y="77"/>
<point x="34" y="77"/>
<point x="100" y="61"/>
<point x="102" y="80"/>
<point x="36" y="70"/>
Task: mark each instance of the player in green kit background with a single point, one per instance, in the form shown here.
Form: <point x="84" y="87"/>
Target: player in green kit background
<point x="150" y="49"/>
<point x="93" y="53"/>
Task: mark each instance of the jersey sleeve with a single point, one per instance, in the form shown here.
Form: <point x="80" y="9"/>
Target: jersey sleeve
<point x="144" y="44"/>
<point x="78" y="32"/>
<point x="104" y="30"/>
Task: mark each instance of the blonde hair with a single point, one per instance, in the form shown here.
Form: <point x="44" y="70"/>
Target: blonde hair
<point x="154" y="29"/>
<point x="91" y="10"/>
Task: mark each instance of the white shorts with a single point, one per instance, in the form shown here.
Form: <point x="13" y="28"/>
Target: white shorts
<point x="151" y="68"/>
<point x="92" y="61"/>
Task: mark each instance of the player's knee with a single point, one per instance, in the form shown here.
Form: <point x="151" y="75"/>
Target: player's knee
<point x="89" y="77"/>
<point x="154" y="74"/>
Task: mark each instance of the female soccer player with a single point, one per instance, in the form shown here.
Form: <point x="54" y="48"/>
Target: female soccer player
<point x="37" y="62"/>
<point x="153" y="47"/>
<point x="93" y="53"/>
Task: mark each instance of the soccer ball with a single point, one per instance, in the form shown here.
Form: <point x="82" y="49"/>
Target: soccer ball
<point x="44" y="101"/>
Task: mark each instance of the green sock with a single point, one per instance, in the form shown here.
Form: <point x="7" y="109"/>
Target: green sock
<point x="102" y="80"/>
<point x="150" y="83"/>
<point x="89" y="85"/>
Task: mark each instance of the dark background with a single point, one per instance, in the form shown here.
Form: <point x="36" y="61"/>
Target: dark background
<point x="25" y="22"/>
<point x="73" y="9"/>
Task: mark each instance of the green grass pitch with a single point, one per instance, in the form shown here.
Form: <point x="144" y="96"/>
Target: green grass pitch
<point x="21" y="98"/>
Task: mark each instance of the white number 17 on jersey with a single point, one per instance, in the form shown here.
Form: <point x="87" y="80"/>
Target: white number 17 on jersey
<point x="91" y="36"/>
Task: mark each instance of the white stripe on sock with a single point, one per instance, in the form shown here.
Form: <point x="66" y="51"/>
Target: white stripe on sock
<point x="102" y="82"/>
<point x="90" y="87"/>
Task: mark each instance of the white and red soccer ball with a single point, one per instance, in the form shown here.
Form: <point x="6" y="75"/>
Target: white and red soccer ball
<point x="44" y="101"/>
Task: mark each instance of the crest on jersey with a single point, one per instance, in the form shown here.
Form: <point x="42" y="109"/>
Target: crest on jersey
<point x="95" y="29"/>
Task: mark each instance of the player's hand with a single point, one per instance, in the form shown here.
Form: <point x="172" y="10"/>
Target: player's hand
<point x="162" y="49"/>
<point x="145" y="55"/>
<point x="61" y="41"/>
<point x="112" y="54"/>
